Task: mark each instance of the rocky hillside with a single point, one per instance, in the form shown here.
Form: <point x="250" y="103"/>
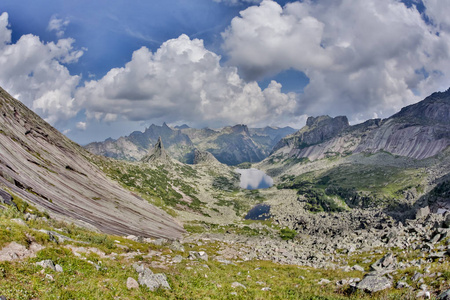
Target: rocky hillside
<point x="230" y="145"/>
<point x="418" y="131"/>
<point x="41" y="166"/>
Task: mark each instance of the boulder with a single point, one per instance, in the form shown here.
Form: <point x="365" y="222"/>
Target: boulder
<point x="153" y="281"/>
<point x="47" y="263"/>
<point x="423" y="212"/>
<point x="374" y="283"/>
<point x="132" y="283"/>
<point x="6" y="198"/>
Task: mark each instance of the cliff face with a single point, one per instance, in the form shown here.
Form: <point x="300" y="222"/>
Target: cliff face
<point x="42" y="166"/>
<point x="418" y="131"/>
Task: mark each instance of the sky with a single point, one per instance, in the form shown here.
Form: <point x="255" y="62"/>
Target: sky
<point x="96" y="69"/>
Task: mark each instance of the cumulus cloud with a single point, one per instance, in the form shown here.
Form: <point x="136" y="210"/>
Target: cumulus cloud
<point x="58" y="26"/>
<point x="363" y="58"/>
<point x="183" y="82"/>
<point x="34" y="72"/>
<point x="81" y="125"/>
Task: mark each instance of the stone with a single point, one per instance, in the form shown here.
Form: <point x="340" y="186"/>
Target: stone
<point x="423" y="212"/>
<point x="324" y="281"/>
<point x="58" y="268"/>
<point x="49" y="277"/>
<point x="132" y="283"/>
<point x="374" y="283"/>
<point x="416" y="276"/>
<point x="153" y="281"/>
<point x="402" y="285"/>
<point x="424" y="294"/>
<point x="159" y="242"/>
<point x="177" y="246"/>
<point x="386" y="262"/>
<point x="237" y="285"/>
<point x="358" y="268"/>
<point x="2" y="298"/>
<point x="266" y="289"/>
<point x="445" y="295"/>
<point x="177" y="259"/>
<point x="138" y="267"/>
<point x="6" y="198"/>
<point x="47" y="264"/>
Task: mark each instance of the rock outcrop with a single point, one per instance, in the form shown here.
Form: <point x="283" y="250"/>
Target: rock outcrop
<point x="418" y="131"/>
<point x="157" y="154"/>
<point x="43" y="167"/>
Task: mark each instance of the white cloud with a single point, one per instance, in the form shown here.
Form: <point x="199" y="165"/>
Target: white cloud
<point x="34" y="72"/>
<point x="183" y="82"/>
<point x="58" y="25"/>
<point x="362" y="57"/>
<point x="81" y="125"/>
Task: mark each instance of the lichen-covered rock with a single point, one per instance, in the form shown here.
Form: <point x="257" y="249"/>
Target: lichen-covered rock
<point x="374" y="283"/>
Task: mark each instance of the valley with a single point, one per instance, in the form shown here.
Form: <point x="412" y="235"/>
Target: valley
<point x="356" y="211"/>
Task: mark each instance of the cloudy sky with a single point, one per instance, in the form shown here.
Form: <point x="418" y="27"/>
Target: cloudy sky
<point x="96" y="69"/>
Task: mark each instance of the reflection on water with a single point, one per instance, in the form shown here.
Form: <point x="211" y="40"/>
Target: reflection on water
<point x="252" y="179"/>
<point x="259" y="212"/>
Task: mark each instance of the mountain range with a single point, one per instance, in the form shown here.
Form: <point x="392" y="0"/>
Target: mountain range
<point x="230" y="145"/>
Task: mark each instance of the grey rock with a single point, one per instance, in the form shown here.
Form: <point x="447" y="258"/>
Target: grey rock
<point x="402" y="285"/>
<point x="386" y="262"/>
<point x="58" y="268"/>
<point x="6" y="198"/>
<point x="177" y="259"/>
<point x="416" y="276"/>
<point x="374" y="284"/>
<point x="266" y="289"/>
<point x="324" y="281"/>
<point x="423" y="212"/>
<point x="424" y="294"/>
<point x="159" y="242"/>
<point x="139" y="267"/>
<point x="2" y="298"/>
<point x="358" y="268"/>
<point x="47" y="264"/>
<point x="237" y="285"/>
<point x="445" y="295"/>
<point x="153" y="281"/>
<point x="132" y="283"/>
<point x="198" y="255"/>
<point x="177" y="246"/>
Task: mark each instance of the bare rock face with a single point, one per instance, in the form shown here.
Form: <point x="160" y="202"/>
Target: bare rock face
<point x="418" y="131"/>
<point x="43" y="167"/>
<point x="157" y="154"/>
<point x="204" y="157"/>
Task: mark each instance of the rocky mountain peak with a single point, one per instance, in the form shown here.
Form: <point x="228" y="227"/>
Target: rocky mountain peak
<point x="204" y="157"/>
<point x="157" y="153"/>
<point x="433" y="109"/>
<point x="338" y="122"/>
<point x="240" y="128"/>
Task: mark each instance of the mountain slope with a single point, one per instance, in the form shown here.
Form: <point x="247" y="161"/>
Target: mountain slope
<point x="418" y="131"/>
<point x="42" y="166"/>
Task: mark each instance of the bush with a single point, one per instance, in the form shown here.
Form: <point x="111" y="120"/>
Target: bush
<point x="287" y="234"/>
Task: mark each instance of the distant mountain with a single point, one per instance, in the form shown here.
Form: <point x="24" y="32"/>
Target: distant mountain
<point x="231" y="145"/>
<point x="43" y="167"/>
<point x="418" y="131"/>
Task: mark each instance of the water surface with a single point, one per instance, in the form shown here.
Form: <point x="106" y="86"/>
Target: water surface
<point x="252" y="179"/>
<point x="259" y="212"/>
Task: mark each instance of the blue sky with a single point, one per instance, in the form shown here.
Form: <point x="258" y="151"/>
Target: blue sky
<point x="96" y="69"/>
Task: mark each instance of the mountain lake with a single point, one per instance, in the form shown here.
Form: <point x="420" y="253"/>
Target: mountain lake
<point x="252" y="179"/>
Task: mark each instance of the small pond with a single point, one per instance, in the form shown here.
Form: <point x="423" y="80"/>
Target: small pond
<point x="259" y="212"/>
<point x="252" y="179"/>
